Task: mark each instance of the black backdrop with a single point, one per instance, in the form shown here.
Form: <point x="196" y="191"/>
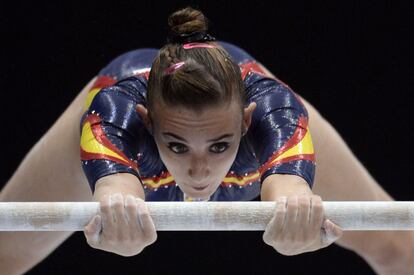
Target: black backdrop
<point x="351" y="59"/>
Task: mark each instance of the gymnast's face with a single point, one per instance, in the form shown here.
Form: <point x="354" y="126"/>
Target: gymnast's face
<point x="198" y="149"/>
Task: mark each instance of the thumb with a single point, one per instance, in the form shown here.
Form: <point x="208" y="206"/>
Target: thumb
<point x="332" y="232"/>
<point x="93" y="230"/>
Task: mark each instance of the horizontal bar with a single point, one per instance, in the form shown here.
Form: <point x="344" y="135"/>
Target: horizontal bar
<point x="204" y="216"/>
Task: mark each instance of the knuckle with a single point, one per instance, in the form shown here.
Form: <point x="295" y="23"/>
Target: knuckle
<point x="130" y="207"/>
<point x="118" y="204"/>
<point x="304" y="201"/>
<point x="143" y="219"/>
<point x="304" y="205"/>
<point x="130" y="197"/>
<point x="316" y="199"/>
<point x="316" y="203"/>
<point x="303" y="197"/>
<point x="130" y="201"/>
<point x="143" y="207"/>
<point x="143" y="211"/>
<point x="139" y="200"/>
<point x="106" y="208"/>
<point x="318" y="208"/>
<point x="282" y="200"/>
<point x="293" y="201"/>
<point x="105" y="199"/>
<point x="117" y="196"/>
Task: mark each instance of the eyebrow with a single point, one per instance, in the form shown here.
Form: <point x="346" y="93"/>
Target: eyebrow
<point x="211" y="140"/>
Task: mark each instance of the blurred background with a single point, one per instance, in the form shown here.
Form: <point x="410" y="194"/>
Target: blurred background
<point x="353" y="60"/>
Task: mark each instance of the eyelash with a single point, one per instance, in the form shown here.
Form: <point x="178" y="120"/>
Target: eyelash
<point x="174" y="144"/>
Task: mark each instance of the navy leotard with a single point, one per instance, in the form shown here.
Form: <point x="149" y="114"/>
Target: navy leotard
<point x="114" y="139"/>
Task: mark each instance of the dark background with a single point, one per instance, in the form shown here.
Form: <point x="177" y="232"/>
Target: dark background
<point x="351" y="59"/>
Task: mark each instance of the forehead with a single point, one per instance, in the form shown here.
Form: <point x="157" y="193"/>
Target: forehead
<point x="222" y="116"/>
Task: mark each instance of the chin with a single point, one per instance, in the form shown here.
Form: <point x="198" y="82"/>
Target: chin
<point x="202" y="194"/>
<point x="198" y="194"/>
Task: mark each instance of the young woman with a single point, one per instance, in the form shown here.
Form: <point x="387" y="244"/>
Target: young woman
<point x="199" y="119"/>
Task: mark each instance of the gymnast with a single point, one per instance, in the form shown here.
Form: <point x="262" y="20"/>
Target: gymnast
<point x="197" y="120"/>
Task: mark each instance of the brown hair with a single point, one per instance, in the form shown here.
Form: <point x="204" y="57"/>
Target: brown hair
<point x="208" y="78"/>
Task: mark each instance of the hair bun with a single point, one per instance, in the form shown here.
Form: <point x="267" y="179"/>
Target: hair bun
<point x="187" y="20"/>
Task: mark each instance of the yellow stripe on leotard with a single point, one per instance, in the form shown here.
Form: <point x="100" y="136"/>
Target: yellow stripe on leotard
<point x="91" y="95"/>
<point x="90" y="145"/>
<point x="304" y="147"/>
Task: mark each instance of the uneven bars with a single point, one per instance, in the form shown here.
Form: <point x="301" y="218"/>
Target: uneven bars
<point x="204" y="216"/>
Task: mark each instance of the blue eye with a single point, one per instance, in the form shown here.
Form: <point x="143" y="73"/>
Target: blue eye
<point x="219" y="147"/>
<point x="177" y="148"/>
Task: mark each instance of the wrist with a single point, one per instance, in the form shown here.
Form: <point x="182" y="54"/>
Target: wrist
<point x="283" y="185"/>
<point x="122" y="183"/>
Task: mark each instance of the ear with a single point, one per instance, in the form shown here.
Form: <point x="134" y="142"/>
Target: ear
<point x="143" y="112"/>
<point x="247" y="117"/>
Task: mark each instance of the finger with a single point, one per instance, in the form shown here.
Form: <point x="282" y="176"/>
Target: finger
<point x="291" y="226"/>
<point x="316" y="214"/>
<point x="131" y="209"/>
<point x="146" y="222"/>
<point x="280" y="217"/>
<point x="274" y="228"/>
<point x="118" y="210"/>
<point x="106" y="213"/>
<point x="304" y="203"/>
<point x="332" y="232"/>
<point x="92" y="231"/>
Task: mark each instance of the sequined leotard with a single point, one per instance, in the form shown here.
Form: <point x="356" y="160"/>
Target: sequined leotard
<point x="115" y="140"/>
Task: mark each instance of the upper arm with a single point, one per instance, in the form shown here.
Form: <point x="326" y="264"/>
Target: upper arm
<point x="280" y="133"/>
<point x="111" y="130"/>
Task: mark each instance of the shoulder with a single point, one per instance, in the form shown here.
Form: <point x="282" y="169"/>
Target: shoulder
<point x="238" y="54"/>
<point x="271" y="95"/>
<point x="254" y="74"/>
<point x="130" y="63"/>
<point x="258" y="81"/>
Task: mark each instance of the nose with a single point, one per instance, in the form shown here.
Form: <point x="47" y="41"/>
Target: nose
<point x="198" y="170"/>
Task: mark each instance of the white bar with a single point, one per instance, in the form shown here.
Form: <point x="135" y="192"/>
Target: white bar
<point x="204" y="216"/>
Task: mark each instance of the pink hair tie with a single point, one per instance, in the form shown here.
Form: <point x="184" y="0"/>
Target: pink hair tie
<point x="174" y="67"/>
<point x="197" y="45"/>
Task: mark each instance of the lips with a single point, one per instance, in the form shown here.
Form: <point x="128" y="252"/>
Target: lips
<point x="200" y="188"/>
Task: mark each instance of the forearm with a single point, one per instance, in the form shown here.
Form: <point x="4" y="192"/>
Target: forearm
<point x="278" y="185"/>
<point x="124" y="225"/>
<point x="123" y="183"/>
